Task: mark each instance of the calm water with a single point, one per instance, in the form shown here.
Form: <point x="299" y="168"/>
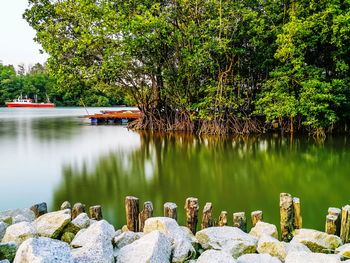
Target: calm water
<point x="51" y="155"/>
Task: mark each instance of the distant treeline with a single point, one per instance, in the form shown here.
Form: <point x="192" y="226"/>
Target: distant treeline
<point x="36" y="81"/>
<point x="207" y="66"/>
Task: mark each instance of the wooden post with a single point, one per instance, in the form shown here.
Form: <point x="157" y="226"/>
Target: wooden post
<point x="146" y="213"/>
<point x="132" y="213"/>
<point x="96" y="212"/>
<point x="39" y="209"/>
<point x="287" y="216"/>
<point x="207" y="220"/>
<point x="298" y="220"/>
<point x="223" y="218"/>
<point x="240" y="221"/>
<point x="333" y="221"/>
<point x="170" y="210"/>
<point x="66" y="205"/>
<point x="192" y="207"/>
<point x="345" y="224"/>
<point x="256" y="217"/>
<point x="78" y="208"/>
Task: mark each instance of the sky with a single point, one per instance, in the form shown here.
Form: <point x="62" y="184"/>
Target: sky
<point x="16" y="36"/>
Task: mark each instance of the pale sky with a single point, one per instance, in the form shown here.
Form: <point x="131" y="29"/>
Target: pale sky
<point x="16" y="36"/>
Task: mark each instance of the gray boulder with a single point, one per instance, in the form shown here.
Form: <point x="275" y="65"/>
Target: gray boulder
<point x="19" y="232"/>
<point x="94" y="244"/>
<point x="229" y="239"/>
<point x="80" y="222"/>
<point x="126" y="238"/>
<point x="5" y="261"/>
<point x="52" y="224"/>
<point x="43" y="250"/>
<point x="304" y="257"/>
<point x="262" y="228"/>
<point x="17" y="215"/>
<point x="154" y="247"/>
<point x="8" y="250"/>
<point x="3" y="227"/>
<point x="181" y="240"/>
<point x="317" y="241"/>
<point x="257" y="258"/>
<point x="215" y="256"/>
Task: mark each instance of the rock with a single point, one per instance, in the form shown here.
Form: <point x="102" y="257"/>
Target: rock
<point x="43" y="250"/>
<point x="66" y="205"/>
<point x="343" y="251"/>
<point x="257" y="258"/>
<point x="262" y="228"/>
<point x="154" y="247"/>
<point x="8" y="250"/>
<point x="3" y="227"/>
<point x="80" y="222"/>
<point x="126" y="238"/>
<point x="94" y="244"/>
<point x="17" y="215"/>
<point x="39" y="209"/>
<point x="276" y="248"/>
<point x="5" y="261"/>
<point x="317" y="241"/>
<point x="19" y="232"/>
<point x="229" y="239"/>
<point x="181" y="241"/>
<point x="304" y="257"/>
<point x="67" y="237"/>
<point x="52" y="224"/>
<point x="215" y="256"/>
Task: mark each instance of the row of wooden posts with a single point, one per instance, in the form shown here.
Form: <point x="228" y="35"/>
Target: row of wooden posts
<point x="337" y="220"/>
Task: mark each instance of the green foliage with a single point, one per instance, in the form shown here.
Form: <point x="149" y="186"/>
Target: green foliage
<point x="218" y="60"/>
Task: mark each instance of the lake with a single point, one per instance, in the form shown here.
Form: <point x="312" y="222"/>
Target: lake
<point x="51" y="155"/>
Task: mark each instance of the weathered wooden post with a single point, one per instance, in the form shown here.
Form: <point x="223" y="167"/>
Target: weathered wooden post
<point x="298" y="220"/>
<point x="333" y="221"/>
<point x="207" y="220"/>
<point x="192" y="207"/>
<point x="132" y="213"/>
<point x="96" y="212"/>
<point x="77" y="209"/>
<point x="240" y="221"/>
<point x="146" y="213"/>
<point x="345" y="224"/>
<point x="39" y="209"/>
<point x="287" y="216"/>
<point x="256" y="217"/>
<point x="66" y="205"/>
<point x="222" y="218"/>
<point x="170" y="210"/>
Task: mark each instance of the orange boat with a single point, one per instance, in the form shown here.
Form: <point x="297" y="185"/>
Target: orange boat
<point x="29" y="103"/>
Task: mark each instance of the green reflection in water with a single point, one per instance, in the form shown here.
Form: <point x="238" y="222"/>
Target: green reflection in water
<point x="243" y="174"/>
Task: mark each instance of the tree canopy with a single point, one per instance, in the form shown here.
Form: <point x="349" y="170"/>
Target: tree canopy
<point x="209" y="66"/>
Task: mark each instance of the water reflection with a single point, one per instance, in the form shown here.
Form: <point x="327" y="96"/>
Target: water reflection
<point x="236" y="174"/>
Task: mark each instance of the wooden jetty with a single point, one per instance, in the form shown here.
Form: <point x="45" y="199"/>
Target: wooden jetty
<point x="113" y="117"/>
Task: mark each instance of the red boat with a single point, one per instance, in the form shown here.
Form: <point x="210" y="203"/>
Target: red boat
<point x="29" y="103"/>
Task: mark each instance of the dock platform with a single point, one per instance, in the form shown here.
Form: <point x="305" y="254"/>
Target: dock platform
<point x="113" y="117"/>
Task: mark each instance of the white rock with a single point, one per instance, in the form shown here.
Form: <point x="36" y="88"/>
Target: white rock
<point x="276" y="248"/>
<point x="304" y="257"/>
<point x="344" y="250"/>
<point x="257" y="258"/>
<point x="215" y="256"/>
<point x="94" y="244"/>
<point x="80" y="222"/>
<point x="5" y="261"/>
<point x="126" y="238"/>
<point x="229" y="239"/>
<point x="181" y="240"/>
<point x="262" y="228"/>
<point x="19" y="232"/>
<point x="317" y="241"/>
<point x="43" y="250"/>
<point x="52" y="224"/>
<point x="154" y="247"/>
<point x="18" y="215"/>
<point x="3" y="227"/>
